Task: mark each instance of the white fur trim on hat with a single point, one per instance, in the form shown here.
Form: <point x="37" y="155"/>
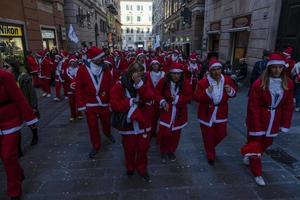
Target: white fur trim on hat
<point x="98" y="56"/>
<point x="215" y="65"/>
<point x="154" y="62"/>
<point x="176" y="70"/>
<point x="276" y="62"/>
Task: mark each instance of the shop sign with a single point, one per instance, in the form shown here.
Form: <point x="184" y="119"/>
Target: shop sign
<point x="215" y="26"/>
<point x="48" y="34"/>
<point x="7" y="30"/>
<point x="243" y="21"/>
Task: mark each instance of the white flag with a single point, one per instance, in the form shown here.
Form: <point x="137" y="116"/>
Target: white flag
<point x="72" y="34"/>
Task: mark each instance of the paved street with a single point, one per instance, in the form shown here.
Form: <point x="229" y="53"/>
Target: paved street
<point x="58" y="167"/>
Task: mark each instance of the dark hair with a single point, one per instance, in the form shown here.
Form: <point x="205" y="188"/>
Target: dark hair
<point x="168" y="80"/>
<point x="134" y="67"/>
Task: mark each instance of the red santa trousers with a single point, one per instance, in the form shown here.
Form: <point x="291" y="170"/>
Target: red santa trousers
<point x="212" y="136"/>
<point x="168" y="139"/>
<point x="136" y="152"/>
<point x="72" y="105"/>
<point x="45" y="85"/>
<point x="58" y="86"/>
<point x="255" y="161"/>
<point x="9" y="157"/>
<point x="93" y="115"/>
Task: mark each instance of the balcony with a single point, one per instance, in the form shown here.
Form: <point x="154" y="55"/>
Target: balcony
<point x="112" y="7"/>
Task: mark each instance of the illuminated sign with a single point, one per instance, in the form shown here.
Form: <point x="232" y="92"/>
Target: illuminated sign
<point x="7" y="30"/>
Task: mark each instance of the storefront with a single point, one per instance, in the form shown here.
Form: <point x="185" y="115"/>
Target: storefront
<point x="49" y="38"/>
<point x="240" y="33"/>
<point x="12" y="43"/>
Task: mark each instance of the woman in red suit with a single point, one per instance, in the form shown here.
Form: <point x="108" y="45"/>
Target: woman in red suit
<point x="130" y="95"/>
<point x="173" y="93"/>
<point x="270" y="110"/>
<point x="154" y="76"/>
<point x="14" y="109"/>
<point x="213" y="93"/>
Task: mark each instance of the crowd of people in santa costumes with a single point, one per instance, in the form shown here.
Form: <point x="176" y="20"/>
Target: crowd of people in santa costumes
<point x="146" y="94"/>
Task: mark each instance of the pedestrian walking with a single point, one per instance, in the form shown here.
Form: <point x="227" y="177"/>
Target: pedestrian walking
<point x="296" y="77"/>
<point x="270" y="110"/>
<point x="213" y="93"/>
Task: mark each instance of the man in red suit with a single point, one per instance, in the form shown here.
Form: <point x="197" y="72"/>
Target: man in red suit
<point x="93" y="84"/>
<point x="45" y="72"/>
<point x="213" y="93"/>
<point x="33" y="68"/>
<point x="14" y="110"/>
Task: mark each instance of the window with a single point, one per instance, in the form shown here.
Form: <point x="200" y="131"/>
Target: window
<point x="138" y="18"/>
<point x="138" y="30"/>
<point x="148" y="30"/>
<point x="127" y="18"/>
<point x="127" y="30"/>
<point x="150" y="8"/>
<point x="127" y="7"/>
<point x="129" y="38"/>
<point x="140" y="38"/>
<point x="141" y="7"/>
<point x="138" y="7"/>
<point x="131" y="30"/>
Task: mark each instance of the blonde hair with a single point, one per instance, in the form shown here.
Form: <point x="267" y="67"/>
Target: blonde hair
<point x="265" y="79"/>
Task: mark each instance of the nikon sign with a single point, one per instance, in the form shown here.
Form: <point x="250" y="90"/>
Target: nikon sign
<point x="7" y="30"/>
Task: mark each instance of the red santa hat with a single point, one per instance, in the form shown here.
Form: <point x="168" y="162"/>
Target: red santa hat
<point x="40" y="53"/>
<point x="73" y="58"/>
<point x="154" y="61"/>
<point x="139" y="53"/>
<point x="214" y="63"/>
<point x="276" y="58"/>
<point x="251" y="149"/>
<point x="95" y="53"/>
<point x="193" y="57"/>
<point x="64" y="54"/>
<point x="176" y="51"/>
<point x="108" y="61"/>
<point x="176" y="67"/>
<point x="288" y="52"/>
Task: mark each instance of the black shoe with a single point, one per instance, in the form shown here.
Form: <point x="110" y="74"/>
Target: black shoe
<point x="111" y="139"/>
<point x="146" y="178"/>
<point x="211" y="162"/>
<point x="93" y="153"/>
<point x="15" y="198"/>
<point x="164" y="158"/>
<point x="130" y="173"/>
<point x="172" y="157"/>
<point x="34" y="141"/>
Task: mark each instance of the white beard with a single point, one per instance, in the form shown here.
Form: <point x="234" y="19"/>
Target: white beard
<point x="96" y="69"/>
<point x="73" y="71"/>
<point x="174" y="58"/>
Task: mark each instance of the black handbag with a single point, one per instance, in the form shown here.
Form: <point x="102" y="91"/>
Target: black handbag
<point x="119" y="120"/>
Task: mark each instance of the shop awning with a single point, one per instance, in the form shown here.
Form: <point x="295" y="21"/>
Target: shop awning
<point x="213" y="32"/>
<point x="246" y="28"/>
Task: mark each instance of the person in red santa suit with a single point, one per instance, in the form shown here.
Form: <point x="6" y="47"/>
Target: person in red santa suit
<point x="70" y="81"/>
<point x="270" y="110"/>
<point x="173" y="93"/>
<point x="14" y="109"/>
<point x="59" y="73"/>
<point x="93" y="84"/>
<point x="64" y="65"/>
<point x="154" y="75"/>
<point x="213" y="93"/>
<point x="33" y="68"/>
<point x="121" y="65"/>
<point x="194" y="70"/>
<point x="45" y="63"/>
<point x="172" y="58"/>
<point x="141" y="58"/>
<point x="130" y="96"/>
<point x="290" y="62"/>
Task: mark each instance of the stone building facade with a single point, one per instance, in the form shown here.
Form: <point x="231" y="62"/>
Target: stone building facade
<point x="158" y="22"/>
<point x="183" y="25"/>
<point x="239" y="29"/>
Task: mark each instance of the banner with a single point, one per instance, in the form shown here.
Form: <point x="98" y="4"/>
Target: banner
<point x="72" y="35"/>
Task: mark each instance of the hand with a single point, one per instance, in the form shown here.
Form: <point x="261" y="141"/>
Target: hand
<point x="210" y="88"/>
<point x="173" y="98"/>
<point x="227" y="88"/>
<point x="33" y="126"/>
<point x="165" y="106"/>
<point x="136" y="78"/>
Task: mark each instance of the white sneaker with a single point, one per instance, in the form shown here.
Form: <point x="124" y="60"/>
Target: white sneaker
<point x="246" y="160"/>
<point x="56" y="99"/>
<point x="260" y="181"/>
<point x="297" y="109"/>
<point x="48" y="95"/>
<point x="44" y="94"/>
<point x="66" y="98"/>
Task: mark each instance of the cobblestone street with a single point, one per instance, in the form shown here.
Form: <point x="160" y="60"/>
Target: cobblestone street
<point x="58" y="168"/>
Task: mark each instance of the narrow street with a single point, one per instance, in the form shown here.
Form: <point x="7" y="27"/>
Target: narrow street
<point x="58" y="168"/>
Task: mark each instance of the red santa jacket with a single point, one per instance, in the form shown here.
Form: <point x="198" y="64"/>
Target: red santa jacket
<point x="265" y="119"/>
<point x="33" y="66"/>
<point x="46" y="68"/>
<point x="208" y="111"/>
<point x="89" y="91"/>
<point x="193" y="70"/>
<point x="139" y="112"/>
<point x="14" y="108"/>
<point x="176" y="117"/>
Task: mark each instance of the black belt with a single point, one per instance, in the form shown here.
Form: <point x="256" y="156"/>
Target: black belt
<point x="4" y="103"/>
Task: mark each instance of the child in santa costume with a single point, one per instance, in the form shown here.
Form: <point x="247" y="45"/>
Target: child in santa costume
<point x="194" y="70"/>
<point x="70" y="81"/>
<point x="270" y="110"/>
<point x="213" y="93"/>
<point x="14" y="109"/>
<point x="93" y="84"/>
<point x="154" y="75"/>
<point x="130" y="95"/>
<point x="173" y="93"/>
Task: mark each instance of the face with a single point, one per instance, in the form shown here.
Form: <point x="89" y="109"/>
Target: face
<point x="155" y="67"/>
<point x="73" y="64"/>
<point x="175" y="76"/>
<point x="98" y="61"/>
<point x="276" y="70"/>
<point x="215" y="73"/>
<point x="193" y="61"/>
<point x="140" y="73"/>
